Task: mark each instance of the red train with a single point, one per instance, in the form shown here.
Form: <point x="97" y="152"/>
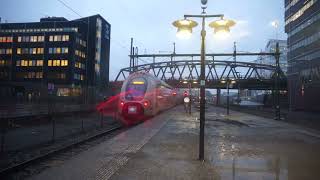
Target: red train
<point x="143" y="95"/>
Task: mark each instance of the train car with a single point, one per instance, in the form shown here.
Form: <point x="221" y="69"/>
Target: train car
<point x="143" y="95"/>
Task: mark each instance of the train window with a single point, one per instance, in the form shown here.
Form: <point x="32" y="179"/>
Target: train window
<point x="136" y="89"/>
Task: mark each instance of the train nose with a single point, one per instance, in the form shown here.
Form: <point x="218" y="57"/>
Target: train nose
<point x="132" y="110"/>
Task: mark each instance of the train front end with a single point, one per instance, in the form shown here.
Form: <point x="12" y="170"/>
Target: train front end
<point x="135" y="101"/>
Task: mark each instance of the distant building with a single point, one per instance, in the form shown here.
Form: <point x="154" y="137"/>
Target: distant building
<point x="270" y="60"/>
<point x="57" y="56"/>
<point x="302" y="19"/>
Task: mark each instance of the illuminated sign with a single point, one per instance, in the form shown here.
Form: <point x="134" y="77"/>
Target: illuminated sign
<point x="137" y="82"/>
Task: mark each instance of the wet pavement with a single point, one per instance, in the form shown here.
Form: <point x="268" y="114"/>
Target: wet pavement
<point x="238" y="146"/>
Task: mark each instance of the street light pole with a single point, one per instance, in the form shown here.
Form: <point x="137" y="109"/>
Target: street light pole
<point x="185" y="29"/>
<point x="190" y="98"/>
<point x="202" y="91"/>
<point x="277" y="57"/>
<point x="228" y="103"/>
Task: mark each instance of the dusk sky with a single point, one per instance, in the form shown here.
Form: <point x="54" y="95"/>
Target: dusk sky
<point x="150" y="23"/>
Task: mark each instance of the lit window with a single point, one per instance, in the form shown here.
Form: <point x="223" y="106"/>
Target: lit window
<point x="29" y="63"/>
<point x="9" y="51"/>
<point x="40" y="38"/>
<point x="65" y="50"/>
<point x="63" y="92"/>
<point x="65" y="38"/>
<point x="58" y="38"/>
<point x="39" y="62"/>
<point x="50" y="50"/>
<point x="50" y="38"/>
<point x="55" y="38"/>
<point x="18" y="50"/>
<point x="58" y="62"/>
<point x="24" y="63"/>
<point x="64" y="62"/>
<point x="34" y="50"/>
<point x="58" y="50"/>
<point x="39" y="50"/>
<point x="49" y="62"/>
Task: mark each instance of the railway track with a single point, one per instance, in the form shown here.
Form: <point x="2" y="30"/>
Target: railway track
<point x="7" y="172"/>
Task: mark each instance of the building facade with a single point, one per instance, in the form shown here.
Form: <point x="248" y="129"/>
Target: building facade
<point x="302" y="19"/>
<point x="54" y="56"/>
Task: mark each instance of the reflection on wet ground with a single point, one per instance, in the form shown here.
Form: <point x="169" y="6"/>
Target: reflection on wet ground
<point x="238" y="146"/>
<point x="242" y="146"/>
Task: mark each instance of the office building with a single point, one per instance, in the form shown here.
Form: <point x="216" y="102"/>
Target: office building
<point x="302" y="19"/>
<point x="54" y="56"/>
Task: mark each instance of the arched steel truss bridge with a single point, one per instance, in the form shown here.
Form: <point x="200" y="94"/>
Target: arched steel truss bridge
<point x="247" y="75"/>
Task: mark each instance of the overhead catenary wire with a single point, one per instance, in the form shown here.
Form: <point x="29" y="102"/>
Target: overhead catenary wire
<point x="70" y="8"/>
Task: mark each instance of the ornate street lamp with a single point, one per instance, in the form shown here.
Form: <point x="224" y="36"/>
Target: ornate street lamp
<point x="184" y="31"/>
<point x="184" y="28"/>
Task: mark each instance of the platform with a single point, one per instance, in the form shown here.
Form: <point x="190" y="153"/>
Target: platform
<point x="239" y="146"/>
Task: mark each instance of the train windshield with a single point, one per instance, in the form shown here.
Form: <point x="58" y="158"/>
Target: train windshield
<point x="136" y="89"/>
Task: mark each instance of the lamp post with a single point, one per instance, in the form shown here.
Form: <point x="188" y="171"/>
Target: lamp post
<point x="228" y="82"/>
<point x="185" y="26"/>
<point x="277" y="107"/>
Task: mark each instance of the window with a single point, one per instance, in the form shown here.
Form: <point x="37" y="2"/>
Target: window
<point x="39" y="75"/>
<point x="6" y="39"/>
<point x="2" y="62"/>
<point x="39" y="50"/>
<point x="65" y="50"/>
<point x="18" y="63"/>
<point x="50" y="50"/>
<point x="59" y="38"/>
<point x="49" y="62"/>
<point x="18" y="50"/>
<point x="19" y="39"/>
<point x="63" y="75"/>
<point x="63" y="92"/>
<point x="40" y="38"/>
<point x="39" y="62"/>
<point x="34" y="50"/>
<point x="50" y="38"/>
<point x="65" y="38"/>
<point x="64" y="62"/>
<point x="8" y="51"/>
<point x="24" y="63"/>
<point x="58" y="50"/>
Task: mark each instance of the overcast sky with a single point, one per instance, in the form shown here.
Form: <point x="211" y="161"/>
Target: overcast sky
<point x="149" y="22"/>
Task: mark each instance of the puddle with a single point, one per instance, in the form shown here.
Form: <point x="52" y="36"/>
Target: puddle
<point x="227" y="121"/>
